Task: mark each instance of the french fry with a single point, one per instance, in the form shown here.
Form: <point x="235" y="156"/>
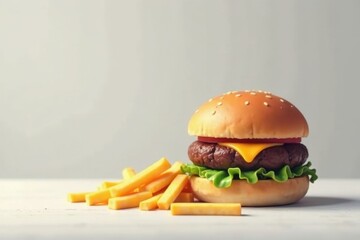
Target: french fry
<point x="150" y="204"/>
<point x="108" y="184"/>
<point x="185" y="197"/>
<point x="128" y="173"/>
<point x="101" y="203"/>
<point x="143" y="177"/>
<point x="128" y="201"/>
<point x="164" y="179"/>
<point x="172" y="191"/>
<point x="77" y="197"/>
<point x="233" y="209"/>
<point x="159" y="186"/>
<point x="97" y="197"/>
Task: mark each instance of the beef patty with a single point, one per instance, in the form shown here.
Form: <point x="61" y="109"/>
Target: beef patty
<point x="215" y="156"/>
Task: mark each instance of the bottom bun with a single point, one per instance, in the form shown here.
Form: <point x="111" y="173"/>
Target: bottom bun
<point x="262" y="193"/>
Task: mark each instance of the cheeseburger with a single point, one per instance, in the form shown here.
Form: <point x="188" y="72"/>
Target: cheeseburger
<point x="249" y="150"/>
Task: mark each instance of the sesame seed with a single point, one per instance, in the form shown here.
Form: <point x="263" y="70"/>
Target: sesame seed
<point x="246" y="102"/>
<point x="197" y="110"/>
<point x="260" y="91"/>
<point x="291" y="106"/>
<point x="281" y="100"/>
<point x="229" y="92"/>
<point x="268" y="96"/>
<point x="222" y="97"/>
<point x="238" y="95"/>
<point x="219" y="104"/>
<point x="210" y="99"/>
<point x="247" y="90"/>
<point x="266" y="104"/>
<point x="213" y="113"/>
<point x="253" y="93"/>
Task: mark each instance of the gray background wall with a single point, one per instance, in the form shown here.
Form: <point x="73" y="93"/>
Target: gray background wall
<point x="90" y="87"/>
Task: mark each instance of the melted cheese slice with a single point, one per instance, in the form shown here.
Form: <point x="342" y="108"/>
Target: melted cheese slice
<point x="249" y="150"/>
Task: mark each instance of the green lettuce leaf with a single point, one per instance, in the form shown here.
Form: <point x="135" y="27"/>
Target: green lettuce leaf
<point x="224" y="178"/>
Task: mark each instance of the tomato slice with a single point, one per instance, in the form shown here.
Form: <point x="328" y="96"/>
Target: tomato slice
<point x="250" y="140"/>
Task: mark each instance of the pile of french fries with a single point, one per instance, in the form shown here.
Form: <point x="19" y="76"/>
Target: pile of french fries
<point x="159" y="186"/>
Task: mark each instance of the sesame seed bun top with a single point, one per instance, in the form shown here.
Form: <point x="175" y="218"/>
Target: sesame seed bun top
<point x="248" y="114"/>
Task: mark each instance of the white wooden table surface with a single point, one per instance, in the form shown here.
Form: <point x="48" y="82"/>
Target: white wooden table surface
<point x="37" y="209"/>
